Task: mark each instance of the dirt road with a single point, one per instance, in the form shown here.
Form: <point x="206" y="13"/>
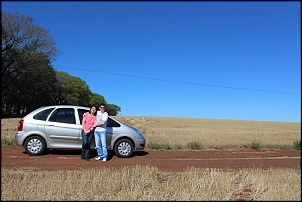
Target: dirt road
<point x="16" y="158"/>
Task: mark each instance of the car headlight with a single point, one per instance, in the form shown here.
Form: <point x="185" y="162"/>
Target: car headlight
<point x="138" y="132"/>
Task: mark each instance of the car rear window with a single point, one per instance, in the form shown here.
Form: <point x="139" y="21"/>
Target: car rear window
<point x="42" y="115"/>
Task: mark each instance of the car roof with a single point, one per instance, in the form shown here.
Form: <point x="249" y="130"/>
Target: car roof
<point x="69" y="106"/>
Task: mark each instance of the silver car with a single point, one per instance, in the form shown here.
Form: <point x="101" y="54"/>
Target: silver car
<point x="59" y="127"/>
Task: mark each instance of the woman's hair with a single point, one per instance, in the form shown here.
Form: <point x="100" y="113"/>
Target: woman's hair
<point x="94" y="112"/>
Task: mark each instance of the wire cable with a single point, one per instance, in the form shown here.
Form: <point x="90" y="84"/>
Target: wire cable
<point x="183" y="82"/>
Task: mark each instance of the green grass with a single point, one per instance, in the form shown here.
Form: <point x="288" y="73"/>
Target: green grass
<point x="195" y="145"/>
<point x="163" y="146"/>
<point x="8" y="143"/>
<point x="256" y="145"/>
<point x="297" y="145"/>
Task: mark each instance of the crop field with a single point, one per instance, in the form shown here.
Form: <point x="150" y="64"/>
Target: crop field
<point x="214" y="133"/>
<point x="196" y="133"/>
<point x="147" y="183"/>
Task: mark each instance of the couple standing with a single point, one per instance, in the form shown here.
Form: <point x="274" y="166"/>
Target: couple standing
<point x="94" y="123"/>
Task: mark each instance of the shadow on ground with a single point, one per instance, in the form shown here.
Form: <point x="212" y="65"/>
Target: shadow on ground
<point x="78" y="152"/>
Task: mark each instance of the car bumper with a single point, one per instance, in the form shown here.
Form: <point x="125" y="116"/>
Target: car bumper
<point x="140" y="143"/>
<point x="19" y="137"/>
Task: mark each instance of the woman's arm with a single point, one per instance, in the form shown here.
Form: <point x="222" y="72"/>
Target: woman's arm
<point x="83" y="124"/>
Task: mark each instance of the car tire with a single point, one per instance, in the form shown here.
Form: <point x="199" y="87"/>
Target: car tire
<point x="123" y="148"/>
<point x="35" y="145"/>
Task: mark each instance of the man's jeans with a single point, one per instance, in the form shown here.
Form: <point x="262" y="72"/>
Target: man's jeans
<point x="86" y="143"/>
<point x="100" y="143"/>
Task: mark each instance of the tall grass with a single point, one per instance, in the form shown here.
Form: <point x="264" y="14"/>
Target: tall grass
<point x="198" y="133"/>
<point x="8" y="130"/>
<point x="145" y="183"/>
<point x="171" y="133"/>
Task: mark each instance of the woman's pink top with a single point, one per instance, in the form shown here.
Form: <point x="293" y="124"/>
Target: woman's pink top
<point x="89" y="121"/>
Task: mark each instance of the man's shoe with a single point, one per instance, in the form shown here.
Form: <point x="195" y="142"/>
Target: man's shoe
<point x="104" y="159"/>
<point x="98" y="158"/>
<point x="86" y="158"/>
<point x="82" y="157"/>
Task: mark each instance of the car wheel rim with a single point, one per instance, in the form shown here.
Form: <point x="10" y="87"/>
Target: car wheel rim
<point x="34" y="146"/>
<point x="124" y="148"/>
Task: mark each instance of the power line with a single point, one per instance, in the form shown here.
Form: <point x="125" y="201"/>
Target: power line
<point x="183" y="82"/>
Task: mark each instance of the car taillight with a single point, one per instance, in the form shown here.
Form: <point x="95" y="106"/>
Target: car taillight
<point x="20" y="125"/>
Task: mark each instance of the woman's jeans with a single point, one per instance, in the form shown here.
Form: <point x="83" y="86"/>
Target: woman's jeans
<point x="100" y="143"/>
<point x="86" y="143"/>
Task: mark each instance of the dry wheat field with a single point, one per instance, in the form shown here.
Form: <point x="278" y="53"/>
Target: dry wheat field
<point x="215" y="133"/>
<point x="147" y="183"/>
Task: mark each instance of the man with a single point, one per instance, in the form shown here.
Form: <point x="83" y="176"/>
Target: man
<point x="100" y="133"/>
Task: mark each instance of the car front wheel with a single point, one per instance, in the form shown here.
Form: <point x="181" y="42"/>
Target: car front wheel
<point x="35" y="145"/>
<point x="123" y="148"/>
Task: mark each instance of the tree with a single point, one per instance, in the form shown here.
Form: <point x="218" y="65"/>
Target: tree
<point x="73" y="90"/>
<point x="96" y="100"/>
<point x="113" y="109"/>
<point x="28" y="79"/>
<point x="35" y="86"/>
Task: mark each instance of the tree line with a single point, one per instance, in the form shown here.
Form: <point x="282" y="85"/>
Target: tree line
<point x="28" y="79"/>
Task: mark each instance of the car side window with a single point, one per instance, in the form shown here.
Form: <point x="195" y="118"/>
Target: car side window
<point x="80" y="113"/>
<point x="42" y="115"/>
<point x="63" y="115"/>
<point x="112" y="123"/>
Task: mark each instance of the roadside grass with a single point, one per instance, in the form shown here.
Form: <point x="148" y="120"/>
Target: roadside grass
<point x="8" y="143"/>
<point x="147" y="183"/>
<point x="256" y="145"/>
<point x="8" y="130"/>
<point x="295" y="146"/>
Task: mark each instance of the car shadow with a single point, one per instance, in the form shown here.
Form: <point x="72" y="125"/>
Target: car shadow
<point x="93" y="153"/>
<point x="140" y="153"/>
<point x="63" y="152"/>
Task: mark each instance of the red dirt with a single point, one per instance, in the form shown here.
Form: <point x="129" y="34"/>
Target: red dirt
<point x="171" y="161"/>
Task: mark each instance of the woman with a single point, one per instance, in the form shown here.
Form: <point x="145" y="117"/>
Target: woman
<point x="88" y="131"/>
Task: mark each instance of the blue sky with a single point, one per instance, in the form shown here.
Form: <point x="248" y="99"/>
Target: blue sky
<point x="197" y="59"/>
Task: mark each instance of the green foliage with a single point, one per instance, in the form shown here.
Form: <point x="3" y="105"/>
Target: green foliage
<point x="297" y="144"/>
<point x="28" y="79"/>
<point x="256" y="145"/>
<point x="73" y="90"/>
<point x="113" y="109"/>
<point x="162" y="146"/>
<point x="8" y="143"/>
<point x="167" y="146"/>
<point x="96" y="100"/>
<point x="286" y="147"/>
<point x="153" y="145"/>
<point x="177" y="147"/>
<point x="195" y="145"/>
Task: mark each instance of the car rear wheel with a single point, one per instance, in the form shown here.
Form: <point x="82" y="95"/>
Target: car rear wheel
<point x="35" y="145"/>
<point x="123" y="148"/>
